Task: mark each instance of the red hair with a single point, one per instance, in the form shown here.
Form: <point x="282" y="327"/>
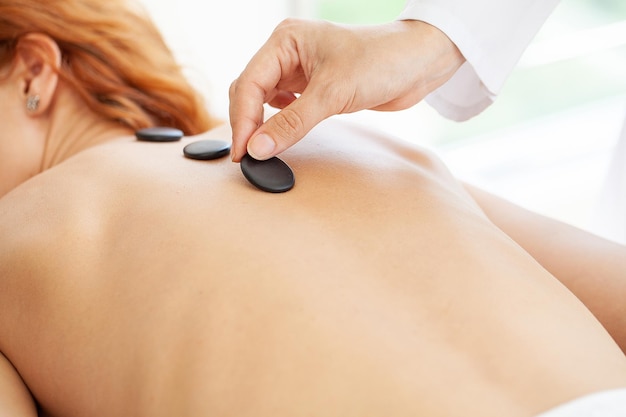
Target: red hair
<point x="114" y="57"/>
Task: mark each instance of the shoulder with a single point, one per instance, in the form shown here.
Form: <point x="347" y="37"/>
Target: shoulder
<point x="28" y="219"/>
<point x="41" y="218"/>
<point x="74" y="202"/>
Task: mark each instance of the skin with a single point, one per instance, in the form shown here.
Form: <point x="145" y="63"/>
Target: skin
<point x="591" y="267"/>
<point x="328" y="67"/>
<point x="134" y="281"/>
<point x="33" y="141"/>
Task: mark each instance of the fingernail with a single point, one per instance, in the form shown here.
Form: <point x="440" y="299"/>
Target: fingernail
<point x="261" y="146"/>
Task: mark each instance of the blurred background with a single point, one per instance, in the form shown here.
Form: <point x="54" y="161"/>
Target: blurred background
<point x="544" y="144"/>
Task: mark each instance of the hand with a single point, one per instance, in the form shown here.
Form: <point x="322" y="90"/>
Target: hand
<point x="335" y="69"/>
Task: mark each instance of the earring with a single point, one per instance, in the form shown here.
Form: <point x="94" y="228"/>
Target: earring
<point x="32" y="102"/>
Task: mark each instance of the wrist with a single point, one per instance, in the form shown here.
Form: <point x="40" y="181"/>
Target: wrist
<point x="436" y="58"/>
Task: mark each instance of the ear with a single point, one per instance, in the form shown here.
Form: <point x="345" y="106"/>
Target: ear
<point x="38" y="59"/>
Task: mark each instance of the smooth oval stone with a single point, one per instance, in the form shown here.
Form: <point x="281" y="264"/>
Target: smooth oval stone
<point x="272" y="175"/>
<point x="159" y="134"/>
<point x="206" y="149"/>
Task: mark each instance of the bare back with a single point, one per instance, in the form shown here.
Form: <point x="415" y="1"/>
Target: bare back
<point x="137" y="282"/>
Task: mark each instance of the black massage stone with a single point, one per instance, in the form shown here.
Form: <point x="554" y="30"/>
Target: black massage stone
<point x="159" y="134"/>
<point x="272" y="175"/>
<point x="206" y="149"/>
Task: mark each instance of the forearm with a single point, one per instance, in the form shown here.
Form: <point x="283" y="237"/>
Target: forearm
<point x="594" y="269"/>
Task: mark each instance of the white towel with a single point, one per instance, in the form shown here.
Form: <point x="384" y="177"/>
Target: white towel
<point x="602" y="404"/>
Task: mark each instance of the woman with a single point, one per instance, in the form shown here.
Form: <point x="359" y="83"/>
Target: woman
<point x="106" y="53"/>
<point x="134" y="281"/>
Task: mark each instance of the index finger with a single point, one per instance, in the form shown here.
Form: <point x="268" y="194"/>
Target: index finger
<point x="248" y="93"/>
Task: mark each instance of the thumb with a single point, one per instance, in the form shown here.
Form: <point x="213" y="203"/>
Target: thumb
<point x="287" y="127"/>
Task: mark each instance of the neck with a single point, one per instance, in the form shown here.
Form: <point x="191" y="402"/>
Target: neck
<point x="73" y="127"/>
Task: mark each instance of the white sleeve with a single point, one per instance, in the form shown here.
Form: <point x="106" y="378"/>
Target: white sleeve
<point x="491" y="35"/>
